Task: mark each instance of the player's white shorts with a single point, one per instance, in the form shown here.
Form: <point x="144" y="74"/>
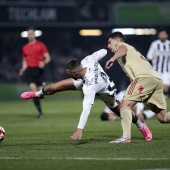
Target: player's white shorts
<point x="110" y="101"/>
<point x="139" y="108"/>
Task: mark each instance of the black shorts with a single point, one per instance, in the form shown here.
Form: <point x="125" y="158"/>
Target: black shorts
<point x="34" y="75"/>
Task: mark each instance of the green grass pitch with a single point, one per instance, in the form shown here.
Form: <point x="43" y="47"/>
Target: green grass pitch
<point x="39" y="144"/>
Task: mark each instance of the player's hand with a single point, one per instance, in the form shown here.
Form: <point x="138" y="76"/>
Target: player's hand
<point x="41" y="64"/>
<point x="21" y="71"/>
<point x="109" y="64"/>
<point x="77" y="135"/>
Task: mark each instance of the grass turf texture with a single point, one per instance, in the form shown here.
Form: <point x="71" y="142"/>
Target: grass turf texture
<point x="35" y="144"/>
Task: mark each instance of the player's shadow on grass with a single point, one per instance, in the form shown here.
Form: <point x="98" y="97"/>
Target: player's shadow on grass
<point x="88" y="141"/>
<point x="28" y="118"/>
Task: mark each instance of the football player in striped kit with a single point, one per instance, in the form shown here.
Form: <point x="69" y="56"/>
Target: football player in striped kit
<point x="159" y="54"/>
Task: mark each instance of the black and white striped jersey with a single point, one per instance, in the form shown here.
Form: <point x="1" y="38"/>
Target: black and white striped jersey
<point x="159" y="54"/>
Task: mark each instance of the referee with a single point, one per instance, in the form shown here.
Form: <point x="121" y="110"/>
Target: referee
<point x="35" y="57"/>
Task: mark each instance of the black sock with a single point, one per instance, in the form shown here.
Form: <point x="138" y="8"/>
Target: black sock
<point x="37" y="105"/>
<point x="134" y="118"/>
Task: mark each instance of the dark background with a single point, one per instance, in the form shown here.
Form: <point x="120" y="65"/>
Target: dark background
<point x="61" y="33"/>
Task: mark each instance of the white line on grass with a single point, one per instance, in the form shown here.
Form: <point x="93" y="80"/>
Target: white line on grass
<point x="80" y="158"/>
<point x="154" y="169"/>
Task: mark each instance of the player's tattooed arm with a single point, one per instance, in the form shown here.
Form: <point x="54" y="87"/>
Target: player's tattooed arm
<point x="63" y="85"/>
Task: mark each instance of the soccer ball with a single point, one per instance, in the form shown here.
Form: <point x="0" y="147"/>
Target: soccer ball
<point x="2" y="133"/>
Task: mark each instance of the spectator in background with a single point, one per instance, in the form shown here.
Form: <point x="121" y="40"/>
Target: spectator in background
<point x="159" y="54"/>
<point x="35" y="57"/>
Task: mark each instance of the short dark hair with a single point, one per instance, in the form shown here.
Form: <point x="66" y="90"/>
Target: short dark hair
<point x="31" y="28"/>
<point x="117" y="34"/>
<point x="104" y="116"/>
<point x="72" y="64"/>
<point x="161" y="30"/>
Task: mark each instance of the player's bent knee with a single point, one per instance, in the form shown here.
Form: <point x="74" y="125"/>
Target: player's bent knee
<point x="162" y="118"/>
<point x="167" y="117"/>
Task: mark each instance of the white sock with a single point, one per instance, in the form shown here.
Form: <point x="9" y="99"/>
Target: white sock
<point x="127" y="134"/>
<point x="39" y="93"/>
<point x="148" y="113"/>
<point x="139" y="124"/>
<point x="126" y="121"/>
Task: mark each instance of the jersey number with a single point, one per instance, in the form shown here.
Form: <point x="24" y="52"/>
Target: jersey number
<point x="141" y="56"/>
<point x="104" y="76"/>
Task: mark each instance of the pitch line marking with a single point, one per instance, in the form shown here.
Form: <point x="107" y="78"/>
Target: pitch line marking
<point x="87" y="158"/>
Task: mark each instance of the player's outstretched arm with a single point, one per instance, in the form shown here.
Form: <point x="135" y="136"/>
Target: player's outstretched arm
<point x="87" y="104"/>
<point x="99" y="54"/>
<point x="67" y="84"/>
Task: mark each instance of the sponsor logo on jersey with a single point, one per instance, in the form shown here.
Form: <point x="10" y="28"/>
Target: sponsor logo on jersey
<point x="140" y="89"/>
<point x="95" y="72"/>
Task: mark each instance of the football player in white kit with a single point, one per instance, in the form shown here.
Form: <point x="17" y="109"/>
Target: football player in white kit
<point x="89" y="77"/>
<point x="159" y="54"/>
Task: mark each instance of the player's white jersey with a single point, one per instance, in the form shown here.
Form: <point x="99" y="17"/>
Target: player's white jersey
<point x="96" y="83"/>
<point x="161" y="63"/>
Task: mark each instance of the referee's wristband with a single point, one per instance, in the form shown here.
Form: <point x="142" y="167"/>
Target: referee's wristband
<point x="44" y="91"/>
